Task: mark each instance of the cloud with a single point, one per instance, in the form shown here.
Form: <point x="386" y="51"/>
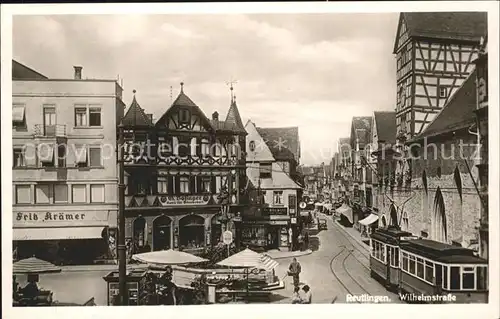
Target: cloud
<point x="314" y="71"/>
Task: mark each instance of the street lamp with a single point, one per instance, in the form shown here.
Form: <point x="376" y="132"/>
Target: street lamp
<point x="121" y="248"/>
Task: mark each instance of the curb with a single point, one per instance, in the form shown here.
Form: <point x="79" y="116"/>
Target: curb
<point x="361" y="243"/>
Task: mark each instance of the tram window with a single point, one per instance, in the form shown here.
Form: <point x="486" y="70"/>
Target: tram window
<point x="445" y="277"/>
<point x="382" y="253"/>
<point x="405" y="261"/>
<point x="396" y="257"/>
<point x="468" y="278"/>
<point x="481" y="278"/>
<point x="420" y="268"/>
<point x="429" y="268"/>
<point x="455" y="278"/>
<point x="412" y="264"/>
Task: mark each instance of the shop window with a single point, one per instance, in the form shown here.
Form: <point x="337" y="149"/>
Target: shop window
<point x="79" y="193"/>
<point x="184" y="185"/>
<point x="60" y="193"/>
<point x="468" y="278"/>
<point x="95" y="158"/>
<point x="42" y="194"/>
<point x="278" y="197"/>
<point x="455" y="278"/>
<point x="97" y="193"/>
<point x="23" y="194"/>
<point x="265" y="170"/>
<point x="19" y="158"/>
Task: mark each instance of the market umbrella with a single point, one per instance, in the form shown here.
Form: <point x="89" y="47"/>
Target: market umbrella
<point x="249" y="259"/>
<point x="168" y="257"/>
<point x="34" y="265"/>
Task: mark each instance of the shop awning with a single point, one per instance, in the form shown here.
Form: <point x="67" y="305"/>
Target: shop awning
<point x="370" y="219"/>
<point x="57" y="233"/>
<point x="346" y="211"/>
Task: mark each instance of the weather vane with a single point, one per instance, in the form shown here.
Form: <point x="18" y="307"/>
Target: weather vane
<point x="230" y="83"/>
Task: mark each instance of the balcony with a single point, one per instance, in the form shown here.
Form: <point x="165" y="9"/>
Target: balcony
<point x="56" y="130"/>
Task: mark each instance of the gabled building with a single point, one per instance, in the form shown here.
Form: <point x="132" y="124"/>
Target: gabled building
<point x="359" y="140"/>
<point x="443" y="202"/>
<point x="188" y="186"/>
<point x="271" y="162"/>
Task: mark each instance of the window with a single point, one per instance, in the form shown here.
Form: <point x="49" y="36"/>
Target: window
<point x="411" y="261"/>
<point x="184" y="146"/>
<point x="443" y="91"/>
<point x="49" y="120"/>
<point x="79" y="193"/>
<point x="60" y="193"/>
<point x="205" y="184"/>
<point x="162" y="184"/>
<point x="251" y="146"/>
<point x="80" y="116"/>
<point x="42" y="194"/>
<point x="455" y="278"/>
<point x="420" y="268"/>
<point x="184" y="185"/>
<point x="97" y="193"/>
<point x="18" y="115"/>
<point x="95" y="116"/>
<point x="278" y="197"/>
<point x="405" y="261"/>
<point x="61" y="155"/>
<point x="445" y="277"/>
<point x="23" y="194"/>
<point x="468" y="277"/>
<point x="205" y="147"/>
<point x="429" y="271"/>
<point x="184" y="116"/>
<point x="265" y="170"/>
<point x="81" y="156"/>
<point x="46" y="155"/>
<point x="95" y="157"/>
<point x="19" y="159"/>
<point x="481" y="278"/>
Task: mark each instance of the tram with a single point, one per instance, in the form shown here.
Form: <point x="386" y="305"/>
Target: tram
<point x="384" y="257"/>
<point x="422" y="267"/>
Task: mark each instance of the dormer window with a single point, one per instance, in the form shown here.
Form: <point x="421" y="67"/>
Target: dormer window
<point x="184" y="116"/>
<point x="443" y="91"/>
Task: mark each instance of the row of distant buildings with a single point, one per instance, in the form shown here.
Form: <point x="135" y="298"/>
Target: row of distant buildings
<point x="199" y="176"/>
<point x="418" y="167"/>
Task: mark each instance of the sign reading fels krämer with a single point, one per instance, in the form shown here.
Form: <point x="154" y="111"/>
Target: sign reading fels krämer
<point x="185" y="200"/>
<point x="59" y="219"/>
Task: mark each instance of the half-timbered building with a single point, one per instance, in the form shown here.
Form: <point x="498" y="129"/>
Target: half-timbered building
<point x="185" y="176"/>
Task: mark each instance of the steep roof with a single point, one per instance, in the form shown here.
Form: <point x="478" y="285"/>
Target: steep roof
<point x="136" y="116"/>
<point x="457" y="114"/>
<point x="361" y="129"/>
<point x="233" y="118"/>
<point x="386" y="126"/>
<point x="462" y="26"/>
<point x="22" y="72"/>
<point x="282" y="141"/>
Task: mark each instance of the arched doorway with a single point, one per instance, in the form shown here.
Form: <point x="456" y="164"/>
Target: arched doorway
<point x="384" y="221"/>
<point x="162" y="230"/>
<point x="139" y="233"/>
<point x="439" y="230"/>
<point x="191" y="232"/>
<point x="216" y="228"/>
<point x="394" y="216"/>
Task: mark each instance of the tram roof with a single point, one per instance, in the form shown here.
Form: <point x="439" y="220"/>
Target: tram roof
<point x="441" y="252"/>
<point x="392" y="232"/>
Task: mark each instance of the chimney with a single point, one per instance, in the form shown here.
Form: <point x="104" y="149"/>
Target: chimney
<point x="215" y="116"/>
<point x="78" y="72"/>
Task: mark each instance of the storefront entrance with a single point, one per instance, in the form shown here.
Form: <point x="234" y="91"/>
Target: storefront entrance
<point x="191" y="232"/>
<point x="162" y="231"/>
<point x="216" y="230"/>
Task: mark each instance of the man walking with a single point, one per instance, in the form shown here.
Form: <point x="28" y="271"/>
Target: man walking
<point x="294" y="270"/>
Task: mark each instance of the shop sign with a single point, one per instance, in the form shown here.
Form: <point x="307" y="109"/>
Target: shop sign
<point x="278" y="222"/>
<point x="184" y="200"/>
<point x="60" y="218"/>
<point x="276" y="211"/>
<point x="227" y="237"/>
<point x="293" y="220"/>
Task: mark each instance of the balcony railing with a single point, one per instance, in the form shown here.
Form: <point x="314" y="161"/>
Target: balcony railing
<point x="56" y="130"/>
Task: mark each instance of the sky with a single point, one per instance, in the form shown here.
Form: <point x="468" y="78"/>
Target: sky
<point x="314" y="71"/>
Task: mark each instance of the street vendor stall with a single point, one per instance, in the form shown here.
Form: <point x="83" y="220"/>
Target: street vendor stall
<point x="31" y="295"/>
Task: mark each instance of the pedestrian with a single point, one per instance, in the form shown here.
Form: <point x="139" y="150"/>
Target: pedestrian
<point x="296" y="295"/>
<point x="294" y="270"/>
<point x="306" y="241"/>
<point x="307" y="298"/>
<point x="300" y="240"/>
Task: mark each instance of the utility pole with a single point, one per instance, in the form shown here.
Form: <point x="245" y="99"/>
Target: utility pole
<point x="122" y="250"/>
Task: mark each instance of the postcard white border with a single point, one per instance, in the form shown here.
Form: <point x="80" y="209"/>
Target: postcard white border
<point x="252" y="311"/>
